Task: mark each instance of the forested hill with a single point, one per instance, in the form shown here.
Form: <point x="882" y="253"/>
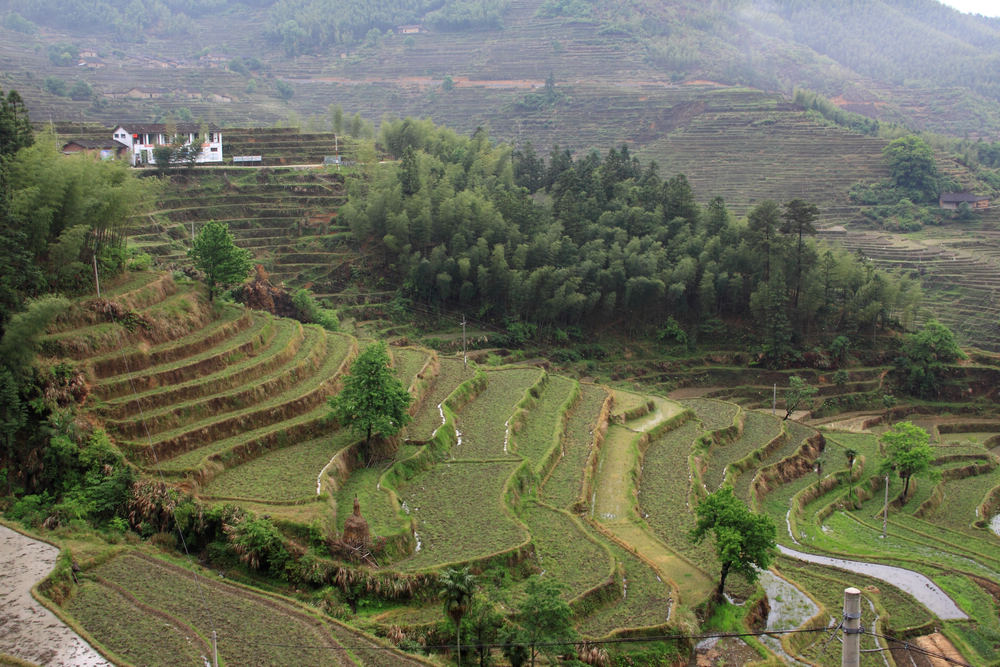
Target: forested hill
<point x="911" y="61"/>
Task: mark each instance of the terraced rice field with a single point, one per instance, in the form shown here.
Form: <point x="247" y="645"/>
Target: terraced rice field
<point x="459" y="510"/>
<point x="284" y="475"/>
<point x="564" y="550"/>
<point x="758" y="430"/>
<point x="564" y="485"/>
<point x="543" y="426"/>
<point x="428" y="417"/>
<point x="187" y="608"/>
<point x="484" y="422"/>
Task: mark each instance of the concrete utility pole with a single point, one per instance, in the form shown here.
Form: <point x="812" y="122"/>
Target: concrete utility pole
<point x="215" y="649"/>
<point x="97" y="280"/>
<point x="774" y="399"/>
<point x="885" y="506"/>
<point x="851" y="654"/>
<point x="465" y="356"/>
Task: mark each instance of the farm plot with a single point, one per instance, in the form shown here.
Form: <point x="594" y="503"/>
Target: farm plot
<point x="247" y="623"/>
<point x="542" y="426"/>
<point x="962" y="497"/>
<point x="795" y="434"/>
<point x="407" y="362"/>
<point x="614" y="508"/>
<point x="428" y="417"/>
<point x="460" y="514"/>
<point x="645" y="600"/>
<point x="148" y="635"/>
<point x="663" y="493"/>
<point x="484" y="421"/>
<point x="376" y="505"/>
<point x="219" y="431"/>
<point x="827" y="586"/>
<point x="714" y="415"/>
<point x="280" y="476"/>
<point x="565" y="551"/>
<point x="564" y="485"/>
<point x="758" y="430"/>
<point x="276" y="351"/>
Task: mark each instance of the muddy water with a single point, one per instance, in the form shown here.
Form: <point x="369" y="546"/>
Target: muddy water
<point x="790" y="608"/>
<point x="925" y="591"/>
<point x="27" y="629"/>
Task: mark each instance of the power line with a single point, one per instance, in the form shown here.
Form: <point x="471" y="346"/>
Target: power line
<point x="553" y="643"/>
<point x="156" y="462"/>
<point x="908" y="646"/>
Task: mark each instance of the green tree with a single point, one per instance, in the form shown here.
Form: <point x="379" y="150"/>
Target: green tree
<point x="797" y="220"/>
<point x="762" y="228"/>
<point x="457" y="588"/>
<point x="216" y="254"/>
<point x="744" y="540"/>
<point x="798" y="392"/>
<point x="373" y="400"/>
<point x="909" y="452"/>
<point x="544" y="617"/>
<point x="924" y="358"/>
<point x="911" y="163"/>
<point x="482" y="623"/>
<point x="851" y="455"/>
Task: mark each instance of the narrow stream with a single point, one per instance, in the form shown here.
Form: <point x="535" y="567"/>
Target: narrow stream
<point x="995" y="524"/>
<point x="925" y="591"/>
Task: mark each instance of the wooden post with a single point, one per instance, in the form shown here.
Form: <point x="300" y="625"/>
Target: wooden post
<point x="851" y="654"/>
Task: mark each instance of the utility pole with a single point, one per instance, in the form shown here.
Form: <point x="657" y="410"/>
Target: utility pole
<point x="215" y="649"/>
<point x="465" y="356"/>
<point x="851" y="653"/>
<point x="97" y="280"/>
<point x="885" y="506"/>
<point x="774" y="400"/>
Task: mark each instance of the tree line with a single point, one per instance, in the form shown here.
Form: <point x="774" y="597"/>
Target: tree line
<point x="60" y="216"/>
<point x="572" y="243"/>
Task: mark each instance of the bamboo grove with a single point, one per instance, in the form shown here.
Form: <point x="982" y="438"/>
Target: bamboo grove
<point x="584" y="242"/>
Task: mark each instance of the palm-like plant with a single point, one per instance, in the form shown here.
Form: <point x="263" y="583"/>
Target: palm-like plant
<point x="457" y="587"/>
<point x="851" y="455"/>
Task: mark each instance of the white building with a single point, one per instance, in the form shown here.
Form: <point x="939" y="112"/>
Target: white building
<point x="142" y="139"/>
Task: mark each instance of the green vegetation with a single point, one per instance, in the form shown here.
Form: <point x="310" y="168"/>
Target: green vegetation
<point x="629" y="245"/>
<point x="373" y="401"/>
<point x="215" y="253"/>
<point x="744" y="540"/>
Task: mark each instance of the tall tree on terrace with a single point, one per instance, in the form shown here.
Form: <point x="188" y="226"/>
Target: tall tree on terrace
<point x="797" y="220"/>
<point x="744" y="540"/>
<point x="762" y="227"/>
<point x="215" y="252"/>
<point x="373" y="400"/>
<point x="457" y="587"/>
<point x="909" y="451"/>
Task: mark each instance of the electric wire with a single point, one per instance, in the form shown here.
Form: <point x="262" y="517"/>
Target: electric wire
<point x="555" y="643"/>
<point x="156" y="464"/>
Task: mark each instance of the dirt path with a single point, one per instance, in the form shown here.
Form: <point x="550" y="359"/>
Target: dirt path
<point x="27" y="629"/>
<point x="614" y="508"/>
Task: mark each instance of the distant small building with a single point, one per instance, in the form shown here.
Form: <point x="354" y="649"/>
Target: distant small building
<point x="952" y="200"/>
<point x="102" y="148"/>
<point x="142" y="139"/>
<point x="409" y="29"/>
